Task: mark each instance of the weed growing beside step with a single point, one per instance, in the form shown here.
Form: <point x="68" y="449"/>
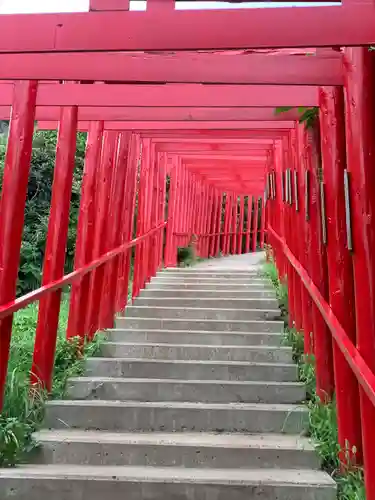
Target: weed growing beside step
<point x="24" y="407"/>
<point x="322" y="416"/>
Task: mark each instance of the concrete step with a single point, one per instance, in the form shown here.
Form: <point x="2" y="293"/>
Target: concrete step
<point x="235" y="325"/>
<point x="208" y="303"/>
<point x="185" y="449"/>
<point x="255" y="354"/>
<point x="200" y="280"/>
<point x="87" y="482"/>
<point x="219" y="286"/>
<point x="216" y="273"/>
<point x="201" y="313"/>
<point x="186" y="337"/>
<point x="190" y="370"/>
<point x="208" y="294"/>
<point x="204" y="391"/>
<point x="138" y="416"/>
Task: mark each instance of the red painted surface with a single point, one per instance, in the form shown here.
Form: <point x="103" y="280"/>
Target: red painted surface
<point x="109" y="5"/>
<point x="359" y="99"/>
<point x="162" y="113"/>
<point x="207" y="120"/>
<point x="171" y="29"/>
<point x="100" y="244"/>
<point x="54" y="260"/>
<point x="114" y="230"/>
<point x="340" y="268"/>
<point x="85" y="231"/>
<point x="177" y="67"/>
<point x="15" y="178"/>
<point x="171" y="94"/>
<point x="267" y="129"/>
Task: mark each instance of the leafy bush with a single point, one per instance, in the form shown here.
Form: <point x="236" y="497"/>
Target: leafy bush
<point x="23" y="409"/>
<point x="38" y="203"/>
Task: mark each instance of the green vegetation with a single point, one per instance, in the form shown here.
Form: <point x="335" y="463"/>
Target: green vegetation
<point x="38" y="205"/>
<point x="24" y="407"/>
<point x="322" y="416"/>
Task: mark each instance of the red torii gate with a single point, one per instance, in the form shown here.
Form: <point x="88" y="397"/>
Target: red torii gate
<point x="319" y="267"/>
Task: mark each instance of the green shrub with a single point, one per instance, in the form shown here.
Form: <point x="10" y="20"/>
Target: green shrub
<point x="23" y="409"/>
<point x="38" y="202"/>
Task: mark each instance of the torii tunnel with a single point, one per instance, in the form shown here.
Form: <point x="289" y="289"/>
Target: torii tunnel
<point x="185" y="142"/>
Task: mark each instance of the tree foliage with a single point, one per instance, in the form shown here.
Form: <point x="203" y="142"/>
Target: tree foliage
<point x="38" y="203"/>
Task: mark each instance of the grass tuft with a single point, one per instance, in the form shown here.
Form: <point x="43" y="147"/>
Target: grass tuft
<point x="23" y="409"/>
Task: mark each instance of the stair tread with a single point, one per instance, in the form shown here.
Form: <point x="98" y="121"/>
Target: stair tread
<point x="211" y="346"/>
<point x="183" y="381"/>
<point x="180" y="405"/>
<point x="300" y="477"/>
<point x="178" y="308"/>
<point x="189" y="361"/>
<point x="193" y="332"/>
<point x="201" y="320"/>
<point x="203" y="439"/>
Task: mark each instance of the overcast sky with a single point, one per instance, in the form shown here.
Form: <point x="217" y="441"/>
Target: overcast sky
<point x="28" y="6"/>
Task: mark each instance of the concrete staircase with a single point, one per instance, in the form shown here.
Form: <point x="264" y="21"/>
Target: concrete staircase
<point x="193" y="398"/>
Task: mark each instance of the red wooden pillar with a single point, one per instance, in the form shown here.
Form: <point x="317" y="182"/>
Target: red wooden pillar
<point x="322" y="336"/>
<point x="226" y="223"/>
<point x="13" y="199"/>
<point x="360" y="145"/>
<point x="100" y="228"/>
<point x="262" y="222"/>
<point x="255" y="229"/>
<point x="295" y="243"/>
<point x="213" y="229"/>
<point x="241" y="225"/>
<point x="210" y="201"/>
<point x="219" y="229"/>
<point x="340" y="270"/>
<point x="304" y="231"/>
<point x="203" y="221"/>
<point x="233" y="239"/>
<point x="249" y="225"/>
<point x="161" y="172"/>
<point x="142" y="207"/>
<point x="85" y="231"/>
<point x="127" y="222"/>
<point x="169" y="257"/>
<point x="111" y="269"/>
<point x="54" y="259"/>
<point x="149" y="217"/>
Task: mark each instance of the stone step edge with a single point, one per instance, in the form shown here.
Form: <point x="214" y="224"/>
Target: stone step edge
<point x="194" y="332"/>
<point x="203" y="346"/>
<point x="182" y="405"/>
<point x="168" y="381"/>
<point x="189" y="362"/>
<point x="261" y="441"/>
<point x="230" y="477"/>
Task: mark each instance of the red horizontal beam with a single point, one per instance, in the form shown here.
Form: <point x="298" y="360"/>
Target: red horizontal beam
<point x="223" y="157"/>
<point x="52" y="113"/>
<point x="105" y="5"/>
<point x="263" y="131"/>
<point x="189" y="30"/>
<point x="173" y="94"/>
<point x="215" y="140"/>
<point x="151" y="127"/>
<point x="181" y="147"/>
<point x="183" y="67"/>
